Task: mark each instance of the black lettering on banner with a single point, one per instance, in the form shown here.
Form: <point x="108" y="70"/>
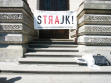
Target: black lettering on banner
<point x="39" y="18"/>
<point x="67" y="19"/>
<point x="72" y="20"/>
<point x="62" y="20"/>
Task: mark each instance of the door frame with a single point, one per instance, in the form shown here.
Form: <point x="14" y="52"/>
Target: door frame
<point x="41" y="8"/>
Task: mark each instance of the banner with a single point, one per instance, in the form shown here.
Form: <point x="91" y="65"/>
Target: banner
<point x="55" y="19"/>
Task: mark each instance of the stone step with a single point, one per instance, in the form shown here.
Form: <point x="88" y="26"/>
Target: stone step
<point x="48" y="60"/>
<point x="36" y="69"/>
<point x="53" y="45"/>
<point x="53" y="42"/>
<point x="52" y="54"/>
<point x="53" y="49"/>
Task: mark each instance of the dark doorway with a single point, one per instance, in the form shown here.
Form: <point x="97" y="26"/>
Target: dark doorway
<point x="54" y="5"/>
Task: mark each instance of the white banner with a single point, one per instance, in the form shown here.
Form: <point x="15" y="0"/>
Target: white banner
<point x="55" y="19"/>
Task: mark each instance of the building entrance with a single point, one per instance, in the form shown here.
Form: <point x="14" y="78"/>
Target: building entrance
<point x="54" y="5"/>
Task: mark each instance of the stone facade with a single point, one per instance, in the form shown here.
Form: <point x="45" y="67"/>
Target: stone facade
<point x="16" y="29"/>
<point x="94" y="28"/>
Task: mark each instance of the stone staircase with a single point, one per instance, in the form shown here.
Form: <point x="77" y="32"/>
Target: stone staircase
<point x="51" y="52"/>
<point x="55" y="56"/>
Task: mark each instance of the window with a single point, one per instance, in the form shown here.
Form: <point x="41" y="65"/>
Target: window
<point x="54" y="5"/>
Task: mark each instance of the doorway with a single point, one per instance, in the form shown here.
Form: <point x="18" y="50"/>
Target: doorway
<point x="54" y="5"/>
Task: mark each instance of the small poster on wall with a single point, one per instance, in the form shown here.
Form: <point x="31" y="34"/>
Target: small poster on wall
<point x="55" y="19"/>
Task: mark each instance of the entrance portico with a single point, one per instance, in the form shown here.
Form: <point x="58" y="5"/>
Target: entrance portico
<point x="17" y="30"/>
<point x="54" y="5"/>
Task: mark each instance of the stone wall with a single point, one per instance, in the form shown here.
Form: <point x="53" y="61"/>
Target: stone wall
<point x="94" y="23"/>
<point x="34" y="5"/>
<point x="94" y="27"/>
<point x="16" y="29"/>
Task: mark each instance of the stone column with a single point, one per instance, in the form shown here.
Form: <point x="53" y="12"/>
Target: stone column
<point x="16" y="29"/>
<point x="94" y="28"/>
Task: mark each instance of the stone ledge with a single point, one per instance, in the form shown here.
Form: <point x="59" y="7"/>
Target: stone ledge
<point x="72" y="30"/>
<point x="16" y="4"/>
<point x="15" y="16"/>
<point x="11" y="3"/>
<point x="17" y="21"/>
<point x="20" y="10"/>
<point x="73" y="34"/>
<point x="94" y="19"/>
<point x="95" y="5"/>
<point x="94" y="40"/>
<point x="14" y="38"/>
<point x="11" y="16"/>
<point x="15" y="28"/>
<point x="95" y="29"/>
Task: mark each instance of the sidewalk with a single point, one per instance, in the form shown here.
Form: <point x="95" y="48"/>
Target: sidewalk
<point x="55" y="78"/>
